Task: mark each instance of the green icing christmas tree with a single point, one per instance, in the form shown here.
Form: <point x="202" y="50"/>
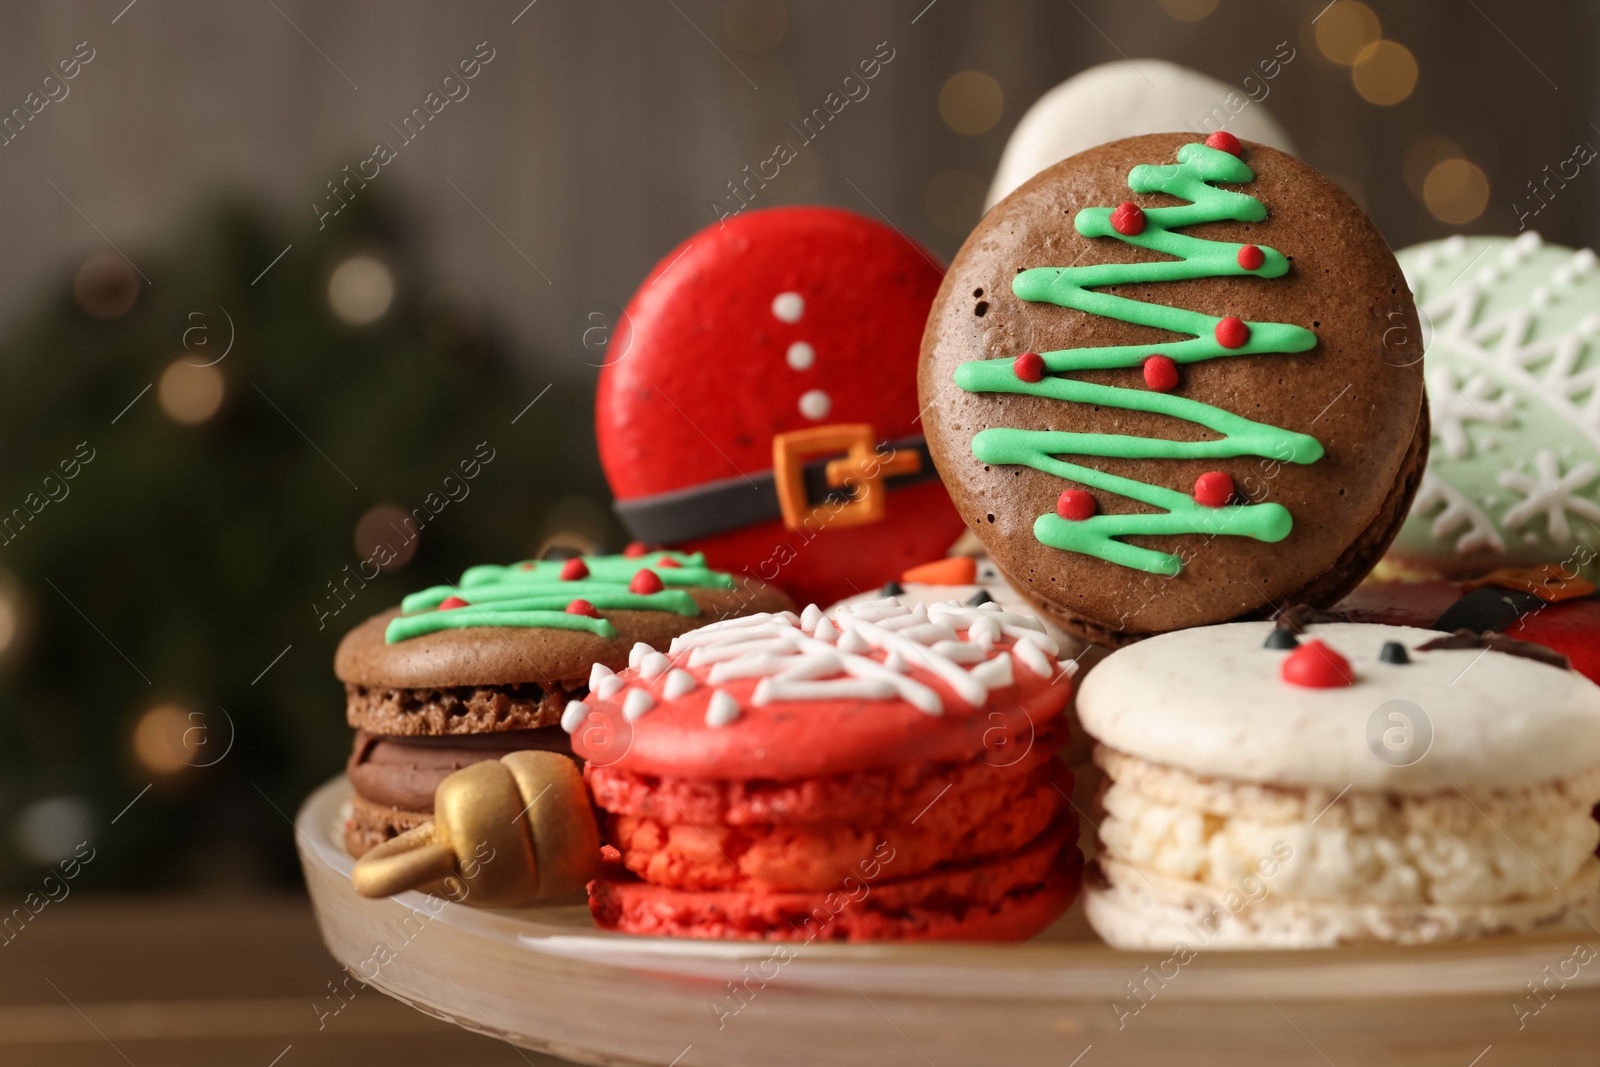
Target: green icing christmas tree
<point x="1075" y="527"/>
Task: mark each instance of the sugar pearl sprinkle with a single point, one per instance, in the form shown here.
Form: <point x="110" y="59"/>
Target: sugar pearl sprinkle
<point x="817" y="657"/>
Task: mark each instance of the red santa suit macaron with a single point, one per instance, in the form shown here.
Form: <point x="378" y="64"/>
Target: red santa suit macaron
<point x="881" y="773"/>
<point x="765" y="409"/>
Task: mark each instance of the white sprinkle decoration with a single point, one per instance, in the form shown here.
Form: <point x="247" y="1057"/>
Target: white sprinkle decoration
<point x="788" y="307"/>
<point x="598" y="672"/>
<point x="572" y="718"/>
<point x="852" y="642"/>
<point x="1032" y="657"/>
<point x="815" y="404"/>
<point x="995" y="673"/>
<point x="636" y="703"/>
<point x="810" y="617"/>
<point x="609" y="687"/>
<point x="678" y="683"/>
<point x="654" y="665"/>
<point x="722" y="709"/>
<point x="800" y="356"/>
<point x="637" y="653"/>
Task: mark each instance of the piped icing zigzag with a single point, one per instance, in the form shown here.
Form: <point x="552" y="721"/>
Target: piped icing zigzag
<point x="1192" y="179"/>
<point x="559" y="594"/>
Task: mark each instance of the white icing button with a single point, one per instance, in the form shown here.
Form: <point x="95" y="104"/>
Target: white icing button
<point x="598" y="672"/>
<point x="574" y="714"/>
<point x="636" y="703"/>
<point x="637" y="653"/>
<point x="678" y="683"/>
<point x="722" y="709"/>
<point x="825" y="631"/>
<point x="788" y="307"/>
<point x="609" y="687"/>
<point x="815" y="404"/>
<point x="801" y="356"/>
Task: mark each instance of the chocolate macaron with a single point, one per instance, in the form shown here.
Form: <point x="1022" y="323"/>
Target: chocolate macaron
<point x="1170" y="383"/>
<point x="462" y="673"/>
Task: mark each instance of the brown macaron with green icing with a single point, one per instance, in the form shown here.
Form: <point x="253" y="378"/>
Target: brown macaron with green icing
<point x="462" y="673"/>
<point x="1171" y="383"/>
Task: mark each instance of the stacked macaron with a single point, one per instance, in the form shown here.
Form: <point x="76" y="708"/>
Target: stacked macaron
<point x="463" y="673"/>
<point x="886" y="772"/>
<point x="1348" y="782"/>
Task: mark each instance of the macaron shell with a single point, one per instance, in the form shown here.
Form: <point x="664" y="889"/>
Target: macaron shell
<point x="1122" y="99"/>
<point x="712" y="372"/>
<point x="1008" y="899"/>
<point x="1211" y="701"/>
<point x="515" y="655"/>
<point x="787" y="740"/>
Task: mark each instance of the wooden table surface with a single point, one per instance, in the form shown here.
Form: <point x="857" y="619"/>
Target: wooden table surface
<point x="190" y="981"/>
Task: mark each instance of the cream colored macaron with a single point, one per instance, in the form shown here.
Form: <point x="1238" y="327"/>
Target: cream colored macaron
<point x="1343" y="784"/>
<point x="1125" y="98"/>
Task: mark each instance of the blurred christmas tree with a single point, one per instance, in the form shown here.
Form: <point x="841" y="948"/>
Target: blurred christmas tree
<point x="200" y="457"/>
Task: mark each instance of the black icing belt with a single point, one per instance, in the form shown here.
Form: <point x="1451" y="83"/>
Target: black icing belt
<point x="748" y="499"/>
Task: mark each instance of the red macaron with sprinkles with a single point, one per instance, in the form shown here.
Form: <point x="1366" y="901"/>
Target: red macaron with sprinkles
<point x="883" y="772"/>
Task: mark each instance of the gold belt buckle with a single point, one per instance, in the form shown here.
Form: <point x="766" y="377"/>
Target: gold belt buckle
<point x="862" y="467"/>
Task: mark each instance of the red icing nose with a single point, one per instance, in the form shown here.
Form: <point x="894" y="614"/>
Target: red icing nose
<point x="1316" y="666"/>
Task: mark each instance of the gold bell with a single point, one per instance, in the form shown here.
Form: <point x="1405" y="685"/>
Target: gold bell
<point x="512" y="832"/>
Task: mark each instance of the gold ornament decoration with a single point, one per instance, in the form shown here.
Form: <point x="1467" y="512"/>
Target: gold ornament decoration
<point x="512" y="832"/>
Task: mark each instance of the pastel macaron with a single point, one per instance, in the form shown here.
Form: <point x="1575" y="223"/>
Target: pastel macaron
<point x="1317" y="784"/>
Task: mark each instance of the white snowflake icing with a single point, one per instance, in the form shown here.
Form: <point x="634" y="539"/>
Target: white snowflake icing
<point x="1551" y="493"/>
<point x="1552" y="367"/>
<point x="1457" y="511"/>
<point x="1453" y="403"/>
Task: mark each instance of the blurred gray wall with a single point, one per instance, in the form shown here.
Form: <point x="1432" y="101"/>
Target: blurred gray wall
<point x="600" y="131"/>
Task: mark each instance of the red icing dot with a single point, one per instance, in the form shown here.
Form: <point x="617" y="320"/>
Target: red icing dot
<point x="1251" y="257"/>
<point x="1161" y="373"/>
<point x="573" y="569"/>
<point x="1316" y="666"/>
<point x="450" y="602"/>
<point x="1232" y="332"/>
<point x="635" y="549"/>
<point x="1213" y="489"/>
<point x="582" y="607"/>
<point x="646" y="581"/>
<point x="1075" y="505"/>
<point x="1029" y="366"/>
<point x="667" y="562"/>
<point x="1223" y="141"/>
<point x="1127" y="219"/>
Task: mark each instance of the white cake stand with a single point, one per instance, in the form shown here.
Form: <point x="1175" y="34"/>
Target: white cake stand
<point x="548" y="979"/>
